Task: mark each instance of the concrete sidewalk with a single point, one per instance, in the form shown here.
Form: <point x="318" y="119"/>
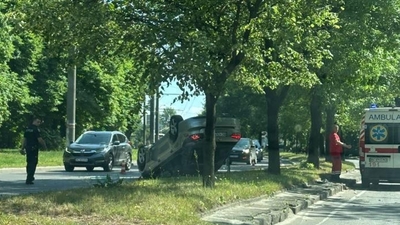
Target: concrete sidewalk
<point x="271" y="210"/>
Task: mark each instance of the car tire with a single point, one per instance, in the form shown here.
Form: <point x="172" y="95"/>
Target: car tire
<point x="110" y="164"/>
<point x="90" y="168"/>
<point x="68" y="168"/>
<point x="174" y="126"/>
<point x="128" y="162"/>
<point x="141" y="157"/>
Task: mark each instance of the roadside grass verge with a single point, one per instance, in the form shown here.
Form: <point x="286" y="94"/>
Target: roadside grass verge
<point x="169" y="201"/>
<point x="11" y="158"/>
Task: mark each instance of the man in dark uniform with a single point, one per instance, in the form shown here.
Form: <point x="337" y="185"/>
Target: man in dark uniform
<point x="30" y="147"/>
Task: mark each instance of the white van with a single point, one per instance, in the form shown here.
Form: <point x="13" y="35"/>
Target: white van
<point x="380" y="146"/>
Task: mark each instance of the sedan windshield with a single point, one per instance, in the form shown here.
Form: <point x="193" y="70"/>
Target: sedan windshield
<point x="243" y="143"/>
<point x="94" y="138"/>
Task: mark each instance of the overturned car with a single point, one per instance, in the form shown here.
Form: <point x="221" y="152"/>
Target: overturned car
<point x="180" y="151"/>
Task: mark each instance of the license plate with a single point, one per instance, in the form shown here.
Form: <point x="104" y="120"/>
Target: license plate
<point x="221" y="134"/>
<point x="379" y="160"/>
<point x="81" y="160"/>
<point x="234" y="156"/>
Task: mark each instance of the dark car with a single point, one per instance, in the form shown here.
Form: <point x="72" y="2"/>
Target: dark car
<point x="104" y="149"/>
<point x="241" y="151"/>
<point x="180" y="151"/>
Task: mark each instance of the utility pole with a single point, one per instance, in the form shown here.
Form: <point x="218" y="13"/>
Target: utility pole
<point x="71" y="103"/>
<point x="144" y="121"/>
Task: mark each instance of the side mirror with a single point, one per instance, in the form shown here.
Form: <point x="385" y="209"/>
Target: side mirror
<point x="116" y="143"/>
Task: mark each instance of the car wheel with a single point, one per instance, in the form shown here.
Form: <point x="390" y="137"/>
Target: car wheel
<point x="128" y="162"/>
<point x="68" y="168"/>
<point x="110" y="163"/>
<point x="173" y="126"/>
<point x="141" y="158"/>
<point x="90" y="168"/>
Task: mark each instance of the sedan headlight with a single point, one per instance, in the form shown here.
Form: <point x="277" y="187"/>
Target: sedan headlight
<point x="102" y="149"/>
<point x="246" y="151"/>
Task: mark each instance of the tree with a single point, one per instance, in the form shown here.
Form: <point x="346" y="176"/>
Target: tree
<point x="20" y="51"/>
<point x="42" y="37"/>
<point x="12" y="87"/>
<point x="362" y="51"/>
<point x="286" y="50"/>
<point x="205" y="49"/>
<point x="244" y="103"/>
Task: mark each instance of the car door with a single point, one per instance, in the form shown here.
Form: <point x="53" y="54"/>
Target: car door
<point x="123" y="147"/>
<point x="115" y="148"/>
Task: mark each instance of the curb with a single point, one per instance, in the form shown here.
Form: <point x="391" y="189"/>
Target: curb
<point x="328" y="192"/>
<point x="269" y="210"/>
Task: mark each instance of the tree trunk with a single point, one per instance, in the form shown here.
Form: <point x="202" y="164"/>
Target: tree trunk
<point x="274" y="101"/>
<point x="330" y="120"/>
<point x="316" y="124"/>
<point x="209" y="147"/>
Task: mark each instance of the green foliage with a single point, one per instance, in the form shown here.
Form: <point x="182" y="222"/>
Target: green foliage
<point x="306" y="165"/>
<point x="245" y="104"/>
<point x="33" y="79"/>
<point x="294" y="117"/>
<point x="86" y="29"/>
<point x="53" y="139"/>
<point x="165" y="116"/>
<point x="108" y="182"/>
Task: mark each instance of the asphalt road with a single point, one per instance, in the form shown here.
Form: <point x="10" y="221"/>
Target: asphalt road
<point x="378" y="205"/>
<point x="12" y="181"/>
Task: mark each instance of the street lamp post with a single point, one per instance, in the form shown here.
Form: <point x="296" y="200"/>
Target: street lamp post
<point x="71" y="98"/>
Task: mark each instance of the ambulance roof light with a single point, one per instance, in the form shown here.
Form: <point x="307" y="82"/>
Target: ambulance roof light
<point x="373" y="106"/>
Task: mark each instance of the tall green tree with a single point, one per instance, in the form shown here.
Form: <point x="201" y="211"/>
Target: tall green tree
<point x="12" y="87"/>
<point x="206" y="48"/>
<point x="363" y="48"/>
<point x="48" y="30"/>
<point x="20" y="51"/>
<point x="288" y="44"/>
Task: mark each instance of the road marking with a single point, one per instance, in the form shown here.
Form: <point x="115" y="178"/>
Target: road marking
<point x="340" y="206"/>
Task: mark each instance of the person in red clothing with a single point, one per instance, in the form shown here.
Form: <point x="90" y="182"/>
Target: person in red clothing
<point x="336" y="149"/>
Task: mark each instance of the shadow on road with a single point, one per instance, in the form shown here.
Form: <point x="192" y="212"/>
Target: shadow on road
<point x="382" y="187"/>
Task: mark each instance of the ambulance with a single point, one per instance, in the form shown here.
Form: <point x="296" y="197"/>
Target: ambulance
<point x="380" y="146"/>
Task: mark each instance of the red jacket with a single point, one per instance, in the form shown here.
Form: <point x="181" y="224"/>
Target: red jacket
<point x="335" y="148"/>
